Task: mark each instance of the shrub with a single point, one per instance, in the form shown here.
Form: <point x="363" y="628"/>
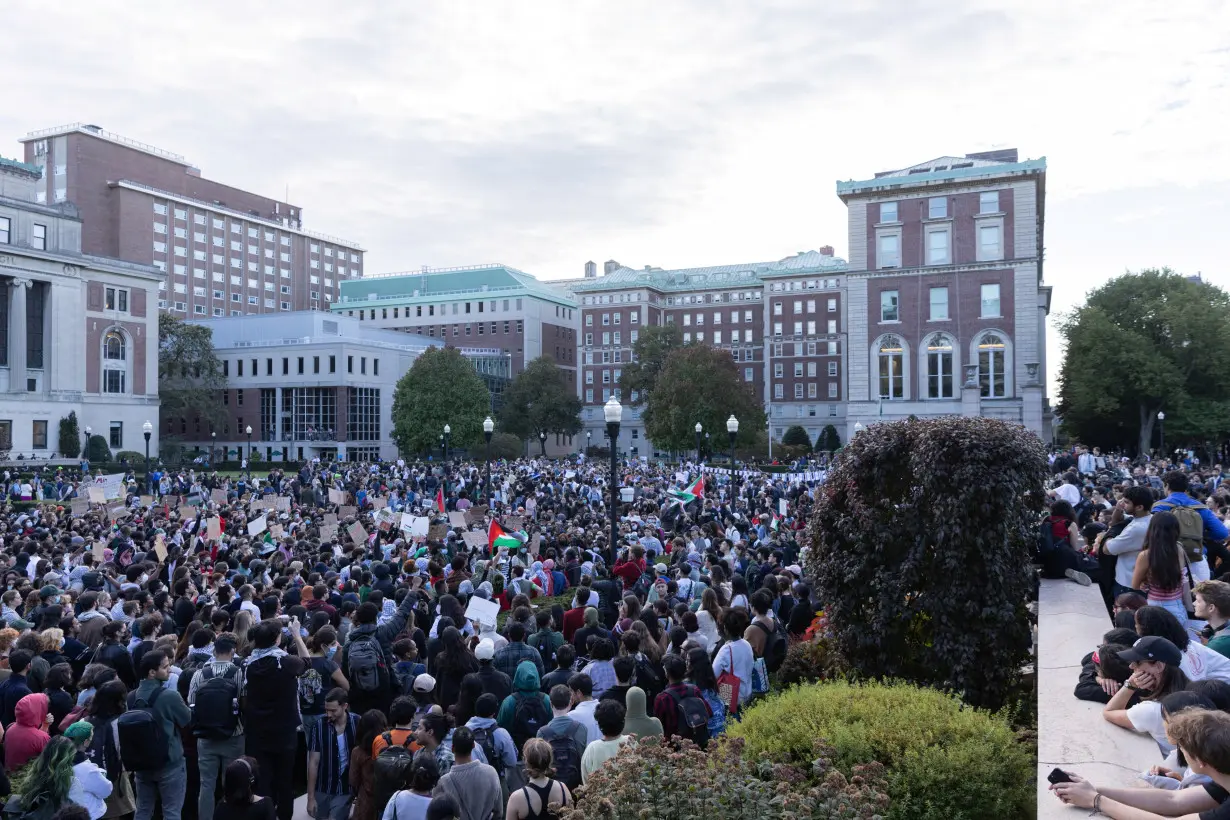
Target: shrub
<point x="796" y="436"/>
<point x="654" y="780"/>
<point x="503" y="445"/>
<point x="99" y="451"/>
<point x="945" y="761"/>
<point x="808" y="662"/>
<point x="70" y="436"/>
<point x="134" y="459"/>
<point x="828" y="440"/>
<point x="921" y="548"/>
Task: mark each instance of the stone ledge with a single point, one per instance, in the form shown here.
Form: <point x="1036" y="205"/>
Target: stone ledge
<point x="1071" y="732"/>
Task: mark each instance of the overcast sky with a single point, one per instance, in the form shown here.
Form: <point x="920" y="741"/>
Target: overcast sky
<point x="544" y="134"/>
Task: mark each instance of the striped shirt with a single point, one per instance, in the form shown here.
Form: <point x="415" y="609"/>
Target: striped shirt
<point x="332" y="776"/>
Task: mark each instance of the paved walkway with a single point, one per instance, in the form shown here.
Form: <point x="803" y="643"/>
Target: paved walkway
<point x="1071" y="732"/>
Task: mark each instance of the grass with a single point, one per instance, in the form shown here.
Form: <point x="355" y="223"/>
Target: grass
<point x="542" y="603"/>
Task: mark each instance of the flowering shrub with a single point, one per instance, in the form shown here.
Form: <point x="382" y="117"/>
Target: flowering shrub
<point x="655" y="780"/>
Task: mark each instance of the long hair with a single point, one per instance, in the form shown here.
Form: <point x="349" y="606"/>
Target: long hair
<point x="49" y="783"/>
<point x="1162" y="542"/>
<point x="371" y="723"/>
<point x="238" y="781"/>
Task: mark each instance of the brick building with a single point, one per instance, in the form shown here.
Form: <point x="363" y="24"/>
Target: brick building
<point x="947" y="309"/>
<point x="226" y="251"/>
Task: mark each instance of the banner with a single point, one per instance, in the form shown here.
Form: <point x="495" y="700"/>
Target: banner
<point x="112" y="485"/>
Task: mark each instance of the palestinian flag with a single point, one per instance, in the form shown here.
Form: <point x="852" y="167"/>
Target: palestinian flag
<point x="689" y="495"/>
<point x="440" y="499"/>
<point x="496" y="538"/>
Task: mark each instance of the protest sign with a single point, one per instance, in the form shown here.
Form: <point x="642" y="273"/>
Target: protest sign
<point x="482" y="611"/>
<point x="257" y="525"/>
<point x="357" y="533"/>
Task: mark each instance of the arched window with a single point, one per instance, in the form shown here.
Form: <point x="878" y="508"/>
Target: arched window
<point x="115" y="363"/>
<point x="940" y="367"/>
<point x="992" y="366"/>
<point x="892" y="368"/>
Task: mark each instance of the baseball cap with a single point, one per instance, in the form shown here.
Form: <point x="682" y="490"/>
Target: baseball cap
<point x="485" y="651"/>
<point x="425" y="682"/>
<point x="1152" y="648"/>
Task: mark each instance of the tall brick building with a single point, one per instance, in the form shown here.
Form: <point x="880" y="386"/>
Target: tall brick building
<point x="226" y="251"/>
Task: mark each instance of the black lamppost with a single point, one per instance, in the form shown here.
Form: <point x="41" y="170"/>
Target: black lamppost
<point x="698" y="431"/>
<point x="448" y="431"/>
<point x="148" y="429"/>
<point x="249" y="432"/>
<point x="613" y="413"/>
<point x="589" y="440"/>
<point x="732" y="427"/>
<point x="85" y="453"/>
<point x="488" y="429"/>
<point x="213" y="448"/>
<point x="542" y="441"/>
<point x="1161" y="429"/>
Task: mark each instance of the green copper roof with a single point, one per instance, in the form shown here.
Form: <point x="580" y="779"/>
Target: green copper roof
<point x="34" y="170"/>
<point x="716" y="276"/>
<point x="433" y="285"/>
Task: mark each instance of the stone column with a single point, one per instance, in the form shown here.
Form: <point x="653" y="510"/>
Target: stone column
<point x="17" y="335"/>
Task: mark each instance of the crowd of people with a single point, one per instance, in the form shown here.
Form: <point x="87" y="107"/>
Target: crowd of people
<point x="201" y="644"/>
<point x="1152" y="535"/>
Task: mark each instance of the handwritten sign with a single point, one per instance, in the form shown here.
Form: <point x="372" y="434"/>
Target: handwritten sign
<point x="337" y="497"/>
<point x="96" y="495"/>
<point x="282" y="504"/>
<point x="437" y="532"/>
<point x="187" y="511"/>
<point x="328" y="532"/>
<point x="257" y="525"/>
<point x="117" y="513"/>
<point x="213" y="529"/>
<point x="482" y="611"/>
<point x="99" y="550"/>
<point x="218" y="496"/>
<point x="79" y="508"/>
<point x="276" y="532"/>
<point x="416" y="525"/>
<point x="347" y="512"/>
<point x="380" y="503"/>
<point x="781" y="507"/>
<point x="147" y="501"/>
<point x="513" y="523"/>
<point x="160" y="548"/>
<point x="331" y="518"/>
<point x="475" y="540"/>
<point x="357" y="533"/>
<point x="457" y="519"/>
<point x="536" y="543"/>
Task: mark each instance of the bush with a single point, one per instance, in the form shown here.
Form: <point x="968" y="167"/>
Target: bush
<point x="921" y="550"/>
<point x="70" y="436"/>
<point x="654" y="780"/>
<point x="134" y="459"/>
<point x="99" y="451"/>
<point x="945" y="761"/>
<point x="504" y="445"/>
<point x="808" y="662"/>
<point x="796" y="436"/>
<point x="828" y="440"/>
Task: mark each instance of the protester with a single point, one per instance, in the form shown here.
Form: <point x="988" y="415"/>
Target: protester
<point x="609" y="716"/>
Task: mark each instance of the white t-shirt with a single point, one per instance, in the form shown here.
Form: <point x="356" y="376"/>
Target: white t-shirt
<point x="1146" y="718"/>
<point x="1200" y="662"/>
<point x="737" y="656"/>
<point x="1069" y="493"/>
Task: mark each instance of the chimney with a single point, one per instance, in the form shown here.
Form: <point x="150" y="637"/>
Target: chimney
<point x="610" y="266"/>
<point x="591" y="270"/>
<point x="827" y="250"/>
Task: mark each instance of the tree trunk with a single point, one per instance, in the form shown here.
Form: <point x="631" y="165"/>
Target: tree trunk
<point x="1147" y="418"/>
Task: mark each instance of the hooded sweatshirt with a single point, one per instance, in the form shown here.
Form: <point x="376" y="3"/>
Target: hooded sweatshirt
<point x="90" y="787"/>
<point x="500" y="739"/>
<point x="638" y="722"/>
<point x="26" y="738"/>
<point x="525" y="685"/>
<point x="476" y="788"/>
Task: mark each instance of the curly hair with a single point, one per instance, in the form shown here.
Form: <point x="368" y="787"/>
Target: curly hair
<point x="52" y="777"/>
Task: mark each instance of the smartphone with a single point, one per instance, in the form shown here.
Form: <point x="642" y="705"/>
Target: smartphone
<point x="1058" y="775"/>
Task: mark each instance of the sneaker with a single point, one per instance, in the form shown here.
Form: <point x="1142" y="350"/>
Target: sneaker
<point x="1078" y="576"/>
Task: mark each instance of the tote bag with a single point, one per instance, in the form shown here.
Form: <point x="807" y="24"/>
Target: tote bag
<point x="728" y="686"/>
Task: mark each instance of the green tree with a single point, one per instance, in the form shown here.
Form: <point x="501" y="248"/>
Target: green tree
<point x="70" y="436"/>
<point x="190" y="380"/>
<point x="541" y="399"/>
<point x="698" y="383"/>
<point x="828" y="441"/>
<point x="506" y="446"/>
<point x="1141" y="343"/>
<point x="99" y="452"/>
<point x="441" y="388"/>
<point x="649" y="355"/>
<point x="796" y="436"/>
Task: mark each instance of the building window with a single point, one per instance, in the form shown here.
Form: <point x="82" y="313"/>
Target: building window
<point x="332" y="364"/>
<point x="116" y="439"/>
<point x="937" y="207"/>
<point x="889" y="255"/>
<point x="832" y="368"/>
<point x="989" y="244"/>
<point x="115" y="362"/>
<point x="990" y="301"/>
<point x="888" y="306"/>
<point x="40" y="435"/>
<point x="939" y="304"/>
<point x="992" y="364"/>
<point x="116" y="299"/>
<point x="747" y="374"/>
<point x="892" y="368"/>
<point x="937" y="247"/>
<point x="38" y="241"/>
<point x="939" y="367"/>
<point x="988" y="202"/>
<point x="779" y="391"/>
<point x="6" y="228"/>
<point x="798" y="391"/>
<point x="888" y="211"/>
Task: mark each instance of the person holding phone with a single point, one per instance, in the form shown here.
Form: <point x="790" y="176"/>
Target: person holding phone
<point x="1155" y="669"/>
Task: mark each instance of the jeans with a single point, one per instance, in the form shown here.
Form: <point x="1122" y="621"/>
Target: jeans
<point x="213" y="756"/>
<point x="170" y="784"/>
<point x="332" y="806"/>
<point x="276" y="780"/>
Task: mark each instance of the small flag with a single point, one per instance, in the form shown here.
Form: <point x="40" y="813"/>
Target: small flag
<point x="697" y="490"/>
<point x="496" y="538"/>
<point x="440" y="499"/>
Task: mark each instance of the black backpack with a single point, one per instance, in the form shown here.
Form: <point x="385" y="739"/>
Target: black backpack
<point x="365" y="665"/>
<point x="529" y="715"/>
<point x="215" y="712"/>
<point x="692" y="721"/>
<point x="543" y="645"/>
<point x="565" y="759"/>
<point x="391" y="770"/>
<point x="646" y="677"/>
<point x="485" y="738"/>
<point x="775" y="645"/>
<point x="143" y="741"/>
<point x="1046" y="538"/>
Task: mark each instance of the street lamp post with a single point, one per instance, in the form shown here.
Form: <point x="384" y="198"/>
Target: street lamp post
<point x="589" y="440"/>
<point x="1161" y="428"/>
<point x="213" y="447"/>
<point x="488" y="429"/>
<point x="732" y="427"/>
<point x="698" y="431"/>
<point x="542" y="441"/>
<point x="613" y="413"/>
<point x="85" y="453"/>
<point x="858" y="427"/>
<point x="148" y="429"/>
<point x="448" y="431"/>
<point x="249" y="432"/>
